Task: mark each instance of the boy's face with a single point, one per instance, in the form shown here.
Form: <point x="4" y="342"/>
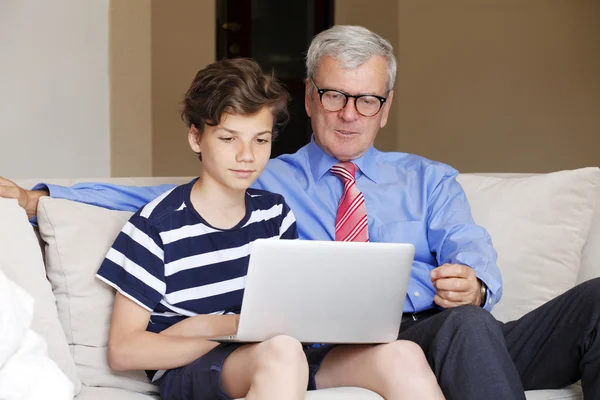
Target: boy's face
<point x="235" y="152"/>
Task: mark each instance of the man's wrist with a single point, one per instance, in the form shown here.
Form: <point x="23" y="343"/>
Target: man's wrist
<point x="33" y="197"/>
<point x="482" y="293"/>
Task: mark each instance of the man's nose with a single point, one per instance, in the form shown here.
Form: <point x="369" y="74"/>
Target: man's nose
<point x="349" y="113"/>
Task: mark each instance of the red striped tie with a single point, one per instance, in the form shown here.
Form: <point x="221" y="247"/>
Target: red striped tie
<point x="351" y="223"/>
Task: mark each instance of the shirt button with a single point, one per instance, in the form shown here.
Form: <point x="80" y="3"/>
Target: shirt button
<point x="490" y="301"/>
<point x="417" y="294"/>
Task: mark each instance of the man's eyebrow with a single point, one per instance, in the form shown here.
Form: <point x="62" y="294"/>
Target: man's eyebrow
<point x="232" y="131"/>
<point x="359" y="94"/>
<point x="347" y="93"/>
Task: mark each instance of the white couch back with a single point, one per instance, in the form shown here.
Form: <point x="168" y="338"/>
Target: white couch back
<point x="590" y="258"/>
<point x="546" y="229"/>
<point x="589" y="265"/>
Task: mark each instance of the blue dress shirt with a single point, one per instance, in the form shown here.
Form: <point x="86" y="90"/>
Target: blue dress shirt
<point x="409" y="199"/>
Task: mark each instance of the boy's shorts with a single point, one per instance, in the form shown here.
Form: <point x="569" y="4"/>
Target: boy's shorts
<point x="201" y="379"/>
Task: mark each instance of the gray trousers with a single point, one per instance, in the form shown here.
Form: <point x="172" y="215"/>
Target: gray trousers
<point x="476" y="357"/>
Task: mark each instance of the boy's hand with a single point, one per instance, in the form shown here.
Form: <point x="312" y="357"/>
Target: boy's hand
<point x="27" y="199"/>
<point x="456" y="285"/>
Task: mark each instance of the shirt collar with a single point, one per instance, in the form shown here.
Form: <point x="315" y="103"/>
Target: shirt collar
<point x="320" y="162"/>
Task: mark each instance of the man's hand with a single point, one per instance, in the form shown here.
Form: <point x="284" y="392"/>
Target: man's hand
<point x="27" y="199"/>
<point x="456" y="285"/>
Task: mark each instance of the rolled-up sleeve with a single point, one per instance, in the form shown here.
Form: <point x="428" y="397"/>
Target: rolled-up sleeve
<point x="454" y="237"/>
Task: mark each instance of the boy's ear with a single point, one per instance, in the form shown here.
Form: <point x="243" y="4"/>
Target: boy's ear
<point x="194" y="138"/>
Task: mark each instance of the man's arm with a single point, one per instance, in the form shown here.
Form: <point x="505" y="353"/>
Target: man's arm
<point x="28" y="199"/>
<point x="464" y="250"/>
<point x="113" y="197"/>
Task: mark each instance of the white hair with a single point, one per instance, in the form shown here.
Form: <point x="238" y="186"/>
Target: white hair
<point x="351" y="46"/>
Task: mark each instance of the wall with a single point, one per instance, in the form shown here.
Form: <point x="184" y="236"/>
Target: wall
<point x="130" y="87"/>
<point x="54" y="88"/>
<point x="380" y="17"/>
<point x="175" y="62"/>
<point x="500" y="85"/>
<point x="183" y="42"/>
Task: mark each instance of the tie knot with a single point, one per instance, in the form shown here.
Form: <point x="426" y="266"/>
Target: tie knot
<point x="344" y="170"/>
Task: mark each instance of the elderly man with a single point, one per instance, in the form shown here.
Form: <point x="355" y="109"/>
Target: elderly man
<point x="341" y="188"/>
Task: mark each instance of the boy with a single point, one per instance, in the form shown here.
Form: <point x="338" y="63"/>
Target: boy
<point x="179" y="263"/>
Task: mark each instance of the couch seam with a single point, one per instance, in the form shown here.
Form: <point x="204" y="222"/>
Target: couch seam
<point x="62" y="271"/>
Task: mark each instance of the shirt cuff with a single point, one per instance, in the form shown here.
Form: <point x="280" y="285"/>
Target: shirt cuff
<point x="39" y="186"/>
<point x="491" y="292"/>
<point x="56" y="191"/>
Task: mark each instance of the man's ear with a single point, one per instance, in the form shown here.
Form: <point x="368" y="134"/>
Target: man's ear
<point x="386" y="109"/>
<point x="194" y="139"/>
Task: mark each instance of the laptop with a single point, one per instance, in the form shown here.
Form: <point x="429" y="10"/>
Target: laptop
<point x="324" y="291"/>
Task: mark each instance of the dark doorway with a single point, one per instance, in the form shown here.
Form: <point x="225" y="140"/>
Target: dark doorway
<point x="276" y="33"/>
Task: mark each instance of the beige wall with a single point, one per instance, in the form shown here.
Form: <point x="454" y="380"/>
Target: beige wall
<point x="381" y="17"/>
<point x="183" y="41"/>
<point x="156" y="48"/>
<point x="155" y="124"/>
<point x="500" y="85"/>
<point x="130" y="88"/>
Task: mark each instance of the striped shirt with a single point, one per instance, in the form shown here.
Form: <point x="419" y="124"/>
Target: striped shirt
<point x="173" y="263"/>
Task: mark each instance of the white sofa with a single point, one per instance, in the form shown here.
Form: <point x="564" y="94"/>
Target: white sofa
<point x="546" y="229"/>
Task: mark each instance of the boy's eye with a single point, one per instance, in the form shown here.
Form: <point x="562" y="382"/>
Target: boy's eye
<point x="226" y="139"/>
<point x="262" y="141"/>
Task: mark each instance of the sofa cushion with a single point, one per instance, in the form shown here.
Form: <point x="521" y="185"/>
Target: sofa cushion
<point x="572" y="392"/>
<point x="341" y="393"/>
<point x="590" y="257"/>
<point x="21" y="261"/>
<point x="538" y="225"/>
<point x="100" y="393"/>
<point x="77" y="237"/>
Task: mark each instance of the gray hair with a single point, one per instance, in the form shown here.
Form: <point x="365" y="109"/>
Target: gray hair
<point x="351" y="46"/>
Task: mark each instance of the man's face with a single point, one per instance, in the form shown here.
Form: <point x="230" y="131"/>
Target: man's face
<point x="346" y="134"/>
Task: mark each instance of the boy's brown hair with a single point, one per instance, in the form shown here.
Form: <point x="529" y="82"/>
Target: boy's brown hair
<point x="236" y="86"/>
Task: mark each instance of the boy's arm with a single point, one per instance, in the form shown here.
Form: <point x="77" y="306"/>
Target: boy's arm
<point x="134" y="266"/>
<point x="131" y="347"/>
<point x="204" y="326"/>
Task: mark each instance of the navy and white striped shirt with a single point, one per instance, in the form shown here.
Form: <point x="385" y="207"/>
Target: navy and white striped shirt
<point x="171" y="262"/>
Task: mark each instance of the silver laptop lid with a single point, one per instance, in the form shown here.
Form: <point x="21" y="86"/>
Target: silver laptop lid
<point x="325" y="291"/>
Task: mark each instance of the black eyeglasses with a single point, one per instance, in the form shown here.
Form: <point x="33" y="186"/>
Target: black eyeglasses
<point x="366" y="105"/>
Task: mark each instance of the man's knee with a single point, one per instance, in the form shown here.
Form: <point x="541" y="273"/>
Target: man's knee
<point x="470" y="317"/>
